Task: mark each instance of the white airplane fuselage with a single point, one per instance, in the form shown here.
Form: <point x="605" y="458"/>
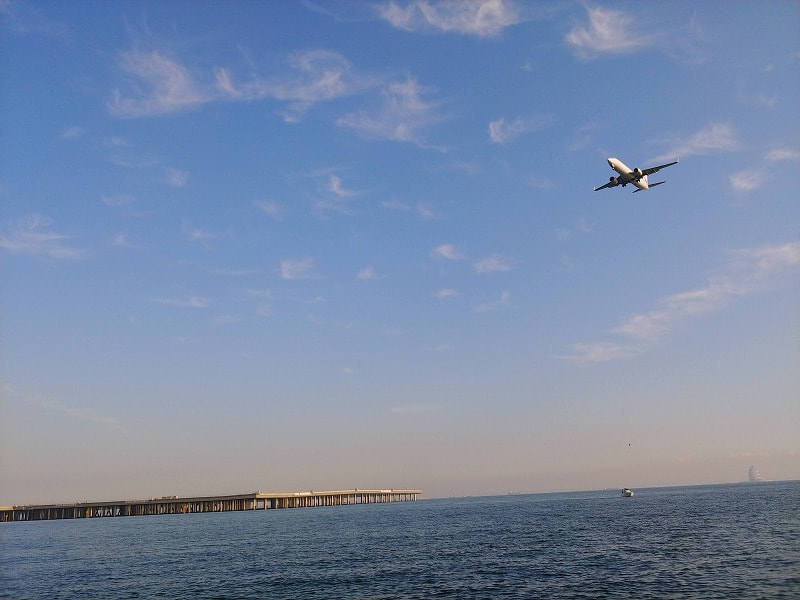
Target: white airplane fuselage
<point x="636" y="176"/>
<point x="628" y="175"/>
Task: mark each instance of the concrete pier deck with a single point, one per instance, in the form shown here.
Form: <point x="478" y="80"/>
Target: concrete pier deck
<point x="168" y="505"/>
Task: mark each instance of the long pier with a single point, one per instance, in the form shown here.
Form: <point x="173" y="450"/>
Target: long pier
<point x="170" y="505"/>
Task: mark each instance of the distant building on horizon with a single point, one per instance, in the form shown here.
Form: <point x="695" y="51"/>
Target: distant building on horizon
<point x="754" y="475"/>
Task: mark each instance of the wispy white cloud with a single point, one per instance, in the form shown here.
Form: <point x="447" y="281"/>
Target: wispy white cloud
<point x="445" y="293"/>
<point x="32" y="235"/>
<point x="755" y="98"/>
<point x="608" y="32"/>
<point x="654" y="325"/>
<point x="120" y="241"/>
<point x="297" y="268"/>
<point x="337" y="189"/>
<point x="541" y="183"/>
<point x="402" y="117"/>
<point x="748" y="271"/>
<point x="565" y="264"/>
<point x="481" y="18"/>
<point x="754" y="265"/>
<point x="582" y="225"/>
<point x="129" y="160"/>
<point x="118" y="200"/>
<point x="61" y="408"/>
<point x="160" y="85"/>
<point x="314" y="76"/>
<point x="751" y="179"/>
<point x="499" y="304"/>
<point x="782" y="154"/>
<point x="271" y="209"/>
<point x="177" y="177"/>
<point x="440" y="348"/>
<point x="195" y="234"/>
<point x="746" y="180"/>
<point x="395" y="204"/>
<point x="23" y="18"/>
<point x="317" y="75"/>
<point x="331" y="195"/>
<point x="73" y="132"/>
<point x="423" y="211"/>
<point x="599" y="352"/>
<point x="264" y="309"/>
<point x="265" y="298"/>
<point x="447" y="251"/>
<point x="494" y="263"/>
<point x="117" y="142"/>
<point x="711" y="139"/>
<point x="190" y="302"/>
<point x="225" y="320"/>
<point x="502" y="131"/>
<point x="367" y="274"/>
<point x="230" y="272"/>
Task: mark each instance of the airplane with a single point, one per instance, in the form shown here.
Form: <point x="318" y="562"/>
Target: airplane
<point x="637" y="176"/>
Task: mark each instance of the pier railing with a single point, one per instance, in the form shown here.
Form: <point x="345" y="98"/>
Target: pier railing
<point x="168" y="505"/>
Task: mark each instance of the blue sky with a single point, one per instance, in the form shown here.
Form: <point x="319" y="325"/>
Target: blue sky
<point x="301" y="245"/>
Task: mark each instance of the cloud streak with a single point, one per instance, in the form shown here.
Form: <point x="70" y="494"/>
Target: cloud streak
<point x="751" y="179"/>
<point x="367" y="274"/>
<point x="502" y="131"/>
<point x="297" y="268"/>
<point x="401" y="117"/>
<point x="502" y="302"/>
<point x="711" y="139"/>
<point x="190" y="302"/>
<point x="782" y="154"/>
<point x="32" y="235"/>
<point x="494" y="263"/>
<point x="269" y="208"/>
<point x="447" y="251"/>
<point x="58" y="407"/>
<point x="159" y="84"/>
<point x="480" y="18"/>
<point x="745" y="181"/>
<point x="748" y="271"/>
<point x="314" y="76"/>
<point x="608" y="32"/>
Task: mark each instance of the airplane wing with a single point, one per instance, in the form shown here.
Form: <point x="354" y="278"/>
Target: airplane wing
<point x="652" y="170"/>
<point x="610" y="184"/>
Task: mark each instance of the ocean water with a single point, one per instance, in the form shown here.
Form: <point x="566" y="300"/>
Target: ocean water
<point x="724" y="541"/>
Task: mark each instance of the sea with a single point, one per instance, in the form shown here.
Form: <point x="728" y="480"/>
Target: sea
<point x="717" y="541"/>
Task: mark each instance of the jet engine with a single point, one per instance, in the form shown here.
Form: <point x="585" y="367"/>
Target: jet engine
<point x="613" y="181"/>
<point x="637" y="173"/>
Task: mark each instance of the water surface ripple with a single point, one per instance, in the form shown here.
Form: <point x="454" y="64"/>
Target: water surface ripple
<point x="725" y="541"/>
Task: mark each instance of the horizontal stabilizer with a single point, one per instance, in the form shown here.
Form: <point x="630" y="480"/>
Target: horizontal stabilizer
<point x="652" y="185"/>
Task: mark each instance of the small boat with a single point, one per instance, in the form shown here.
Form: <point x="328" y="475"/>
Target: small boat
<point x="626" y="492"/>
